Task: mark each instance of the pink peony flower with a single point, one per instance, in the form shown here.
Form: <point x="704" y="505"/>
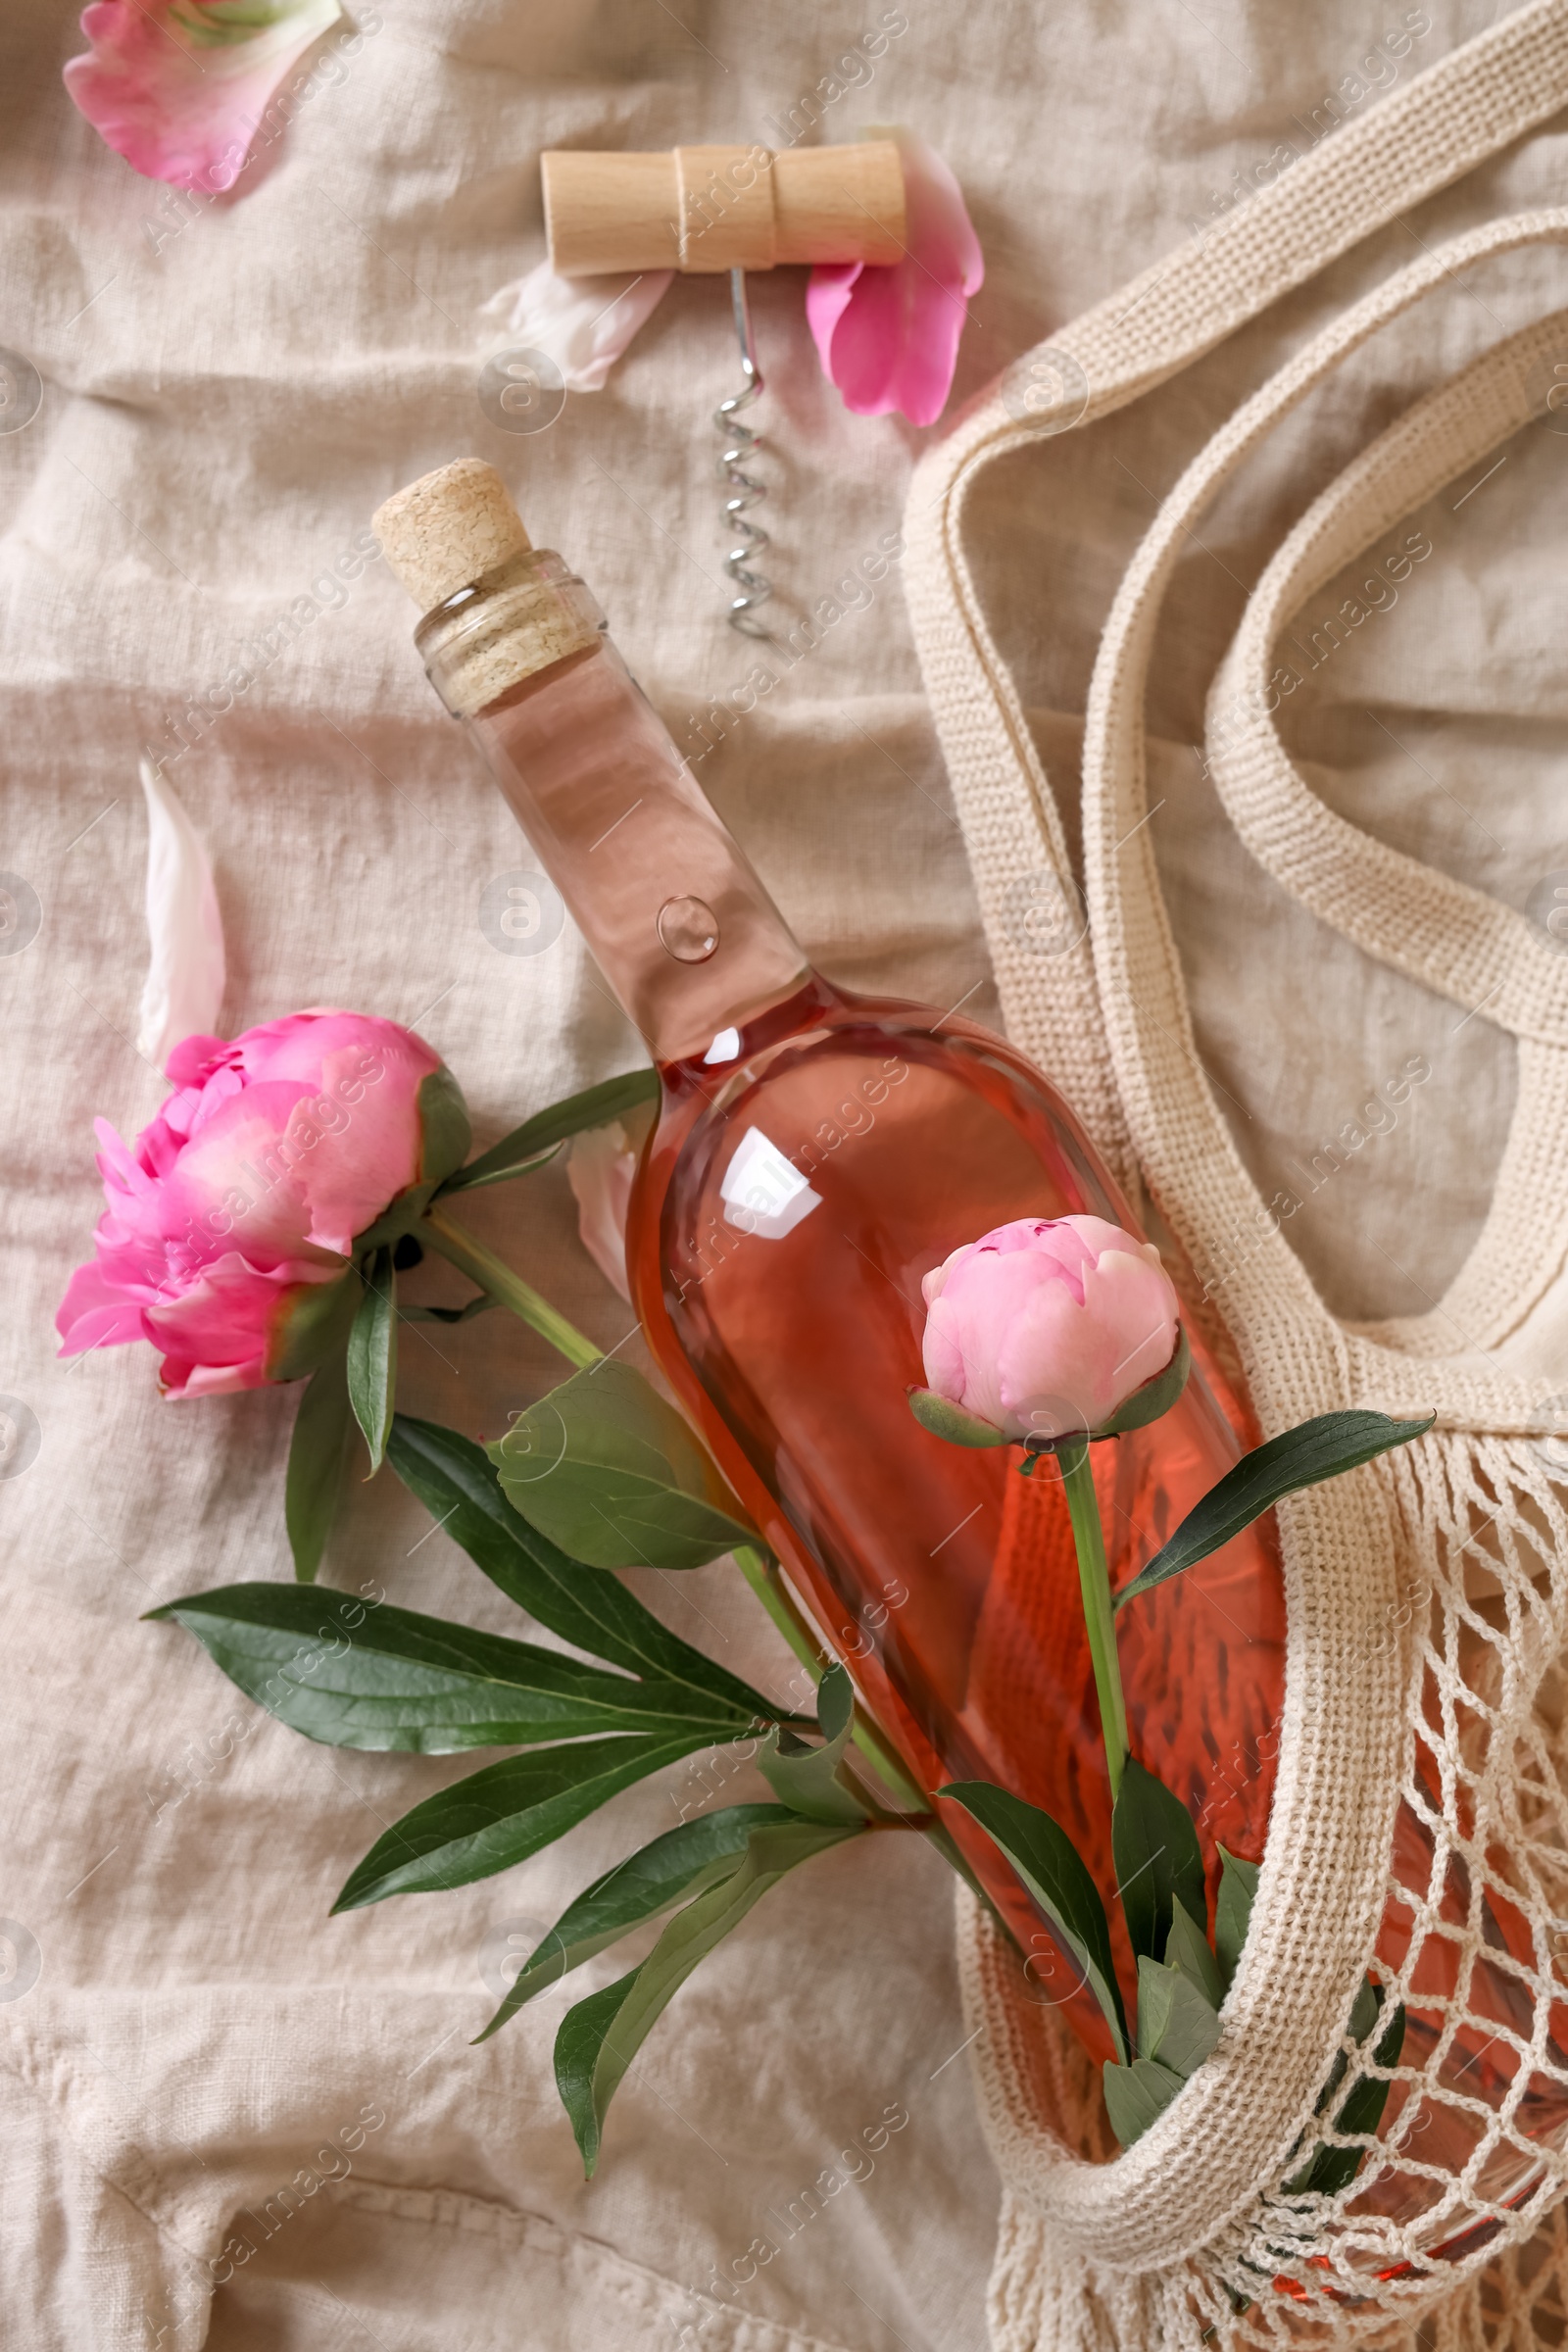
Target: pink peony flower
<point x="1044" y="1326"/>
<point x="179" y="87"/>
<point x="889" y="339"/>
<point x="230" y="1226"/>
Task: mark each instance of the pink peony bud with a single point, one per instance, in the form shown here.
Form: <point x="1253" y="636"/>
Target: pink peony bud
<point x="1046" y="1326"/>
<point x="230" y="1226"/>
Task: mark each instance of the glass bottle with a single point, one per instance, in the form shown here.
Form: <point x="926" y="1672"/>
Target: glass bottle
<point x="817" y="1153"/>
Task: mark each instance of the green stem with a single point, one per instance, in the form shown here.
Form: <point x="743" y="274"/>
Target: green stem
<point x="1099" y="1612"/>
<point x="508" y="1290"/>
<point x="872" y="1744"/>
<point x="764" y="1581"/>
<point x="761" y="1573"/>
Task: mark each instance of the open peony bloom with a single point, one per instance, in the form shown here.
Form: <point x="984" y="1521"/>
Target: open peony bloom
<point x="889" y="339"/>
<point x="230" y="1226"/>
<point x="1043" y="1327"/>
<point x="179" y="87"/>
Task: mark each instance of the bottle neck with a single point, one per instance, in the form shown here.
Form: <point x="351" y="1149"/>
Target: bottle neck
<point x="679" y="924"/>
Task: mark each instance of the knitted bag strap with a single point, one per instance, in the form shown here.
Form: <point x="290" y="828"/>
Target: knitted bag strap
<point x="1461" y="110"/>
<point x="1493" y="962"/>
<point x="1457" y="941"/>
<point x="1182" y="1141"/>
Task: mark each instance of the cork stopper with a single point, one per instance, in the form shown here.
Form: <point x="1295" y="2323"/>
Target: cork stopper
<point x="457" y="529"/>
<point x="449" y="528"/>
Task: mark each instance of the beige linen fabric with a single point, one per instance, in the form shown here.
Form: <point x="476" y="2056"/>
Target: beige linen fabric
<point x="230" y="390"/>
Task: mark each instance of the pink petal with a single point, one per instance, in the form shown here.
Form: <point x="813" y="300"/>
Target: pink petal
<point x="322" y="1132"/>
<point x="1051" y="1365"/>
<point x="366" y="1076"/>
<point x="973" y="1319"/>
<point x="1136" y="1307"/>
<point x="229" y="1317"/>
<point x="181" y="1379"/>
<point x="237" y="1182"/>
<point x="942" y="1353"/>
<point x="889" y="337"/>
<point x="178" y="105"/>
<point x="194" y="1060"/>
<point x="827" y="298"/>
<point x="582" y="323"/>
<point x="99" y="1311"/>
<point x="185" y="979"/>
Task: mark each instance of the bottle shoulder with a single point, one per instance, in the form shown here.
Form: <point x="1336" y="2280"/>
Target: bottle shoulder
<point x="831" y="1031"/>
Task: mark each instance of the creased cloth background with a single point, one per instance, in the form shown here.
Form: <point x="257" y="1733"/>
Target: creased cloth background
<point x="230" y="390"/>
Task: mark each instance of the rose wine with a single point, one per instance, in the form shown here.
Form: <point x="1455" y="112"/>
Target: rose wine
<point x="792" y="1198"/>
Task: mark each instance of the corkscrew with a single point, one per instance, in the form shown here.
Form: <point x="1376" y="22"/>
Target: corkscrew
<point x="745" y="490"/>
<point x="710" y="209"/>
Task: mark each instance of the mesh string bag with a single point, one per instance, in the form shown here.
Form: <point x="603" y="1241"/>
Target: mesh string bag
<point x="1418" y="1832"/>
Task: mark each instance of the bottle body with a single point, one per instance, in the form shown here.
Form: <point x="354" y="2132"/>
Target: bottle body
<point x="789" y="1202"/>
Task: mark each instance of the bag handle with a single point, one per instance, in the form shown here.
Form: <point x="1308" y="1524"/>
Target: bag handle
<point x="1185" y="1145"/>
<point x="1464" y="108"/>
<point x="1457" y="941"/>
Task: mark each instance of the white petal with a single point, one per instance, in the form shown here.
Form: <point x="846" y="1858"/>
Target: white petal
<point x="582" y="323"/>
<point x="600" y="1168"/>
<point x="185" y="975"/>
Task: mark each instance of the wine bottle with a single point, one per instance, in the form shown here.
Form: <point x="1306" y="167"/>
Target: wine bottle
<point x="817" y="1153"/>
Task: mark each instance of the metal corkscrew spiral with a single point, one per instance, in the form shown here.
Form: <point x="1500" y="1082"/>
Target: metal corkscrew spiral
<point x="745" y="490"/>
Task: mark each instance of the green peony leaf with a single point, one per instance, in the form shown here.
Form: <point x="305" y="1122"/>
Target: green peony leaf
<point x="505" y="1812"/>
<point x="316" y="1457"/>
<point x="808" y="1779"/>
<point x="1175" y="2023"/>
<point x="1232" y="1911"/>
<point x="459" y="1487"/>
<point x="1136" y="2095"/>
<point x="386" y="1678"/>
<point x="682" y="1862"/>
<point x="1049" y="1864"/>
<point x="373" y="1354"/>
<point x="1299" y="1457"/>
<point x="601" y="2037"/>
<point x="609" y="1471"/>
<point x="1158" y="1858"/>
<point x="538" y="1139"/>
<point x="444" y="1129"/>
<point x="1187" y="1948"/>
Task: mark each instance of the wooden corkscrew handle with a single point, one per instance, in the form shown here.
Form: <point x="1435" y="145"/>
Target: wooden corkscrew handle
<point x="705" y="210"/>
